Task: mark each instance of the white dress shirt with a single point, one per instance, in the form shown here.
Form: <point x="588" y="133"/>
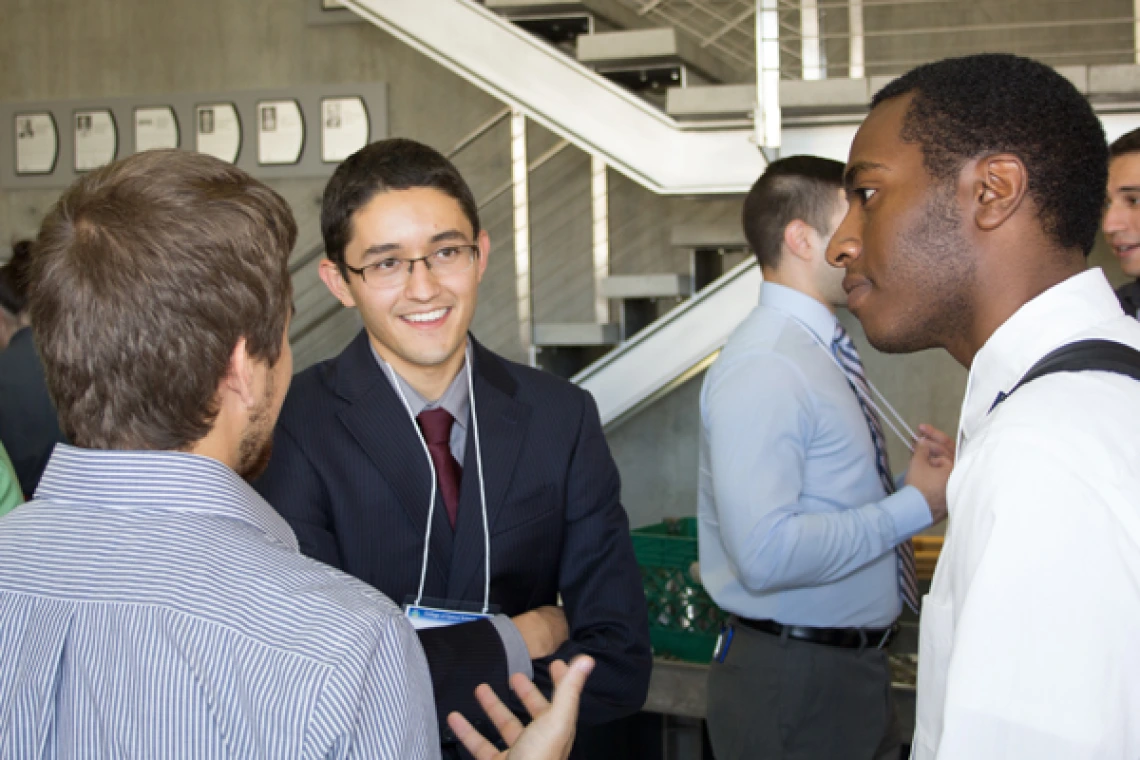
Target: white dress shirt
<point x="1030" y="636"/>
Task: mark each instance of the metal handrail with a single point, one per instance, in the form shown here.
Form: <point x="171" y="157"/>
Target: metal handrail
<point x="504" y="188"/>
<point x="911" y="62"/>
<point x="479" y="131"/>
<point x="722" y="27"/>
<point x="933" y="30"/>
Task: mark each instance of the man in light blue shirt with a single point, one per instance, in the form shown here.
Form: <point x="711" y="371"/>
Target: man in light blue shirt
<point x="803" y="537"/>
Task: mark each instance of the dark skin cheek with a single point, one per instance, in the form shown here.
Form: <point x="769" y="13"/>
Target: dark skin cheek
<point x="933" y="267"/>
<point x="914" y="264"/>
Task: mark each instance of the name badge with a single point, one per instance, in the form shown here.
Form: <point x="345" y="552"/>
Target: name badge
<point x="422" y="617"/>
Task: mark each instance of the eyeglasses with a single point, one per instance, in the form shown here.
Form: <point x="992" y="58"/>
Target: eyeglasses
<point x="394" y="272"/>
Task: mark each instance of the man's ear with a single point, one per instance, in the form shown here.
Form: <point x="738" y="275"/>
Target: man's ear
<point x="334" y="281"/>
<point x="484" y="243"/>
<point x="1000" y="184"/>
<point x="798" y="239"/>
<point x="239" y="379"/>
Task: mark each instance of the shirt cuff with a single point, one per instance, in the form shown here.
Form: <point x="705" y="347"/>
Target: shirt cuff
<point x="900" y="480"/>
<point x="518" y="658"/>
<point x="910" y="512"/>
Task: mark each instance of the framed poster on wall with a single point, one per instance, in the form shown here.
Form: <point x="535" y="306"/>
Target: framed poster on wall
<point x="280" y="132"/>
<point x="37" y="142"/>
<point x="217" y="131"/>
<point x="96" y="139"/>
<point x="344" y="128"/>
<point x="156" y="127"/>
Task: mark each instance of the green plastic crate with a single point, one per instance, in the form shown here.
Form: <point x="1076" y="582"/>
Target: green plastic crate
<point x="683" y="621"/>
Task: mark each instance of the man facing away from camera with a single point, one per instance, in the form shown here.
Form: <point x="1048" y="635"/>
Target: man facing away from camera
<point x="151" y="603"/>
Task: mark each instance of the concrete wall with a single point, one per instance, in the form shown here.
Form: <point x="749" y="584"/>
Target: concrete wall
<point x="561" y="232"/>
<point x="51" y="49"/>
<point x="656" y="454"/>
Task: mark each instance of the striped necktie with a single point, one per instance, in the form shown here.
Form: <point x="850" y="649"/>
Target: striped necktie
<point x="848" y="357"/>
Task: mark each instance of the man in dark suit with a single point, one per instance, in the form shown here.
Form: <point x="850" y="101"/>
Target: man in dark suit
<point x="416" y="434"/>
<point x="29" y="427"/>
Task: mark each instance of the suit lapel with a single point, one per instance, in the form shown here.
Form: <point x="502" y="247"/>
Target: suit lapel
<point x="379" y="423"/>
<point x="502" y="428"/>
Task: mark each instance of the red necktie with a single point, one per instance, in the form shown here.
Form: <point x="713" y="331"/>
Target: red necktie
<point x="436" y="427"/>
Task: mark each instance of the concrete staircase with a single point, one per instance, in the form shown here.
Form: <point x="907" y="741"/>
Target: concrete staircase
<point x="677" y="120"/>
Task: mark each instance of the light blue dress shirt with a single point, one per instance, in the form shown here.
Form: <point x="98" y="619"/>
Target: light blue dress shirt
<point x="153" y="605"/>
<point x="795" y="525"/>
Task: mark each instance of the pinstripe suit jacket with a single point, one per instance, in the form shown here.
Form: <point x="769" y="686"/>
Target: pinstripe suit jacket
<point x="349" y="475"/>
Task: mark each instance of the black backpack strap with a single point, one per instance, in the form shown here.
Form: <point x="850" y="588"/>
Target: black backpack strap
<point x="1102" y="355"/>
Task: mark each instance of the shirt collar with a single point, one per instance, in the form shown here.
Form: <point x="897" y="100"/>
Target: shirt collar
<point x="1130" y="296"/>
<point x="803" y="308"/>
<point x="455" y="399"/>
<point x="167" y="481"/>
<point x="1045" y="323"/>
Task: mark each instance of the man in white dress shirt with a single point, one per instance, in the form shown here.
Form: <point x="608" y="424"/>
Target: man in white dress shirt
<point x="976" y="187"/>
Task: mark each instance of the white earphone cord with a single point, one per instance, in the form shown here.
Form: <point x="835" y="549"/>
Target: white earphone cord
<point x="431" y="466"/>
<point x="907" y="441"/>
<point x="482" y="488"/>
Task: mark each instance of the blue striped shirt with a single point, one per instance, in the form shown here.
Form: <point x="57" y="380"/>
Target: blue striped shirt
<point x="152" y="605"/>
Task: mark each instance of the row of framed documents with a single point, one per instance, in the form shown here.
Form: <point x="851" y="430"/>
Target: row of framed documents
<point x="296" y="136"/>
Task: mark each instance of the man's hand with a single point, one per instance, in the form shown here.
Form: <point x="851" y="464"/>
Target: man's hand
<point x="549" y="736"/>
<point x="543" y="630"/>
<point x="941" y="444"/>
<point x="930" y="467"/>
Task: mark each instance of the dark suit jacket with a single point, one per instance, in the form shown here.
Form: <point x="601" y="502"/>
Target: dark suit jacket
<point x="29" y="427"/>
<point x="349" y="474"/>
<point x="1129" y="295"/>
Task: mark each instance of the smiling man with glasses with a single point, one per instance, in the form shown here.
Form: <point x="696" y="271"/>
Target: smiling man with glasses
<point x="472" y="490"/>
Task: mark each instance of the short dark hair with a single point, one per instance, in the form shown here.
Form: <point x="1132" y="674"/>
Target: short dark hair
<point x="797" y="187"/>
<point x="146" y="274"/>
<point x="14" y="279"/>
<point x="965" y="108"/>
<point x="1125" y="144"/>
<point x="395" y="164"/>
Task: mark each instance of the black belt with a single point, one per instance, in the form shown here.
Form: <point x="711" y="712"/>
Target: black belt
<point x="846" y="638"/>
